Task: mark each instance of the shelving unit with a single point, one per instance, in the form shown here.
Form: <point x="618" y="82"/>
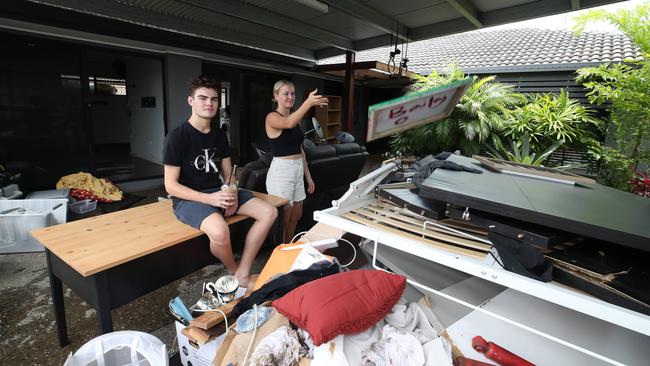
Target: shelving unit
<point x="560" y="321"/>
<point x="329" y="116"/>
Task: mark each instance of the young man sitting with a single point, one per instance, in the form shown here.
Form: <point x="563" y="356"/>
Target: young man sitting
<point x="196" y="157"/>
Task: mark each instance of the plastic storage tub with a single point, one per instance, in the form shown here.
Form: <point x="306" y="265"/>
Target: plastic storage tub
<point x="49" y="194"/>
<point x="83" y="206"/>
<point x="25" y="216"/>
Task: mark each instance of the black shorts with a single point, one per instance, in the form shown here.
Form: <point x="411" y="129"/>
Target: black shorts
<point x="193" y="213"/>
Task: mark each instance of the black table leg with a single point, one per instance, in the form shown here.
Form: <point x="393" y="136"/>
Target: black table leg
<point x="103" y="301"/>
<point x="58" y="304"/>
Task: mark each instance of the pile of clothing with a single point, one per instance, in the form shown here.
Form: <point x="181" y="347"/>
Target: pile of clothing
<point x="85" y="186"/>
<point x="325" y="316"/>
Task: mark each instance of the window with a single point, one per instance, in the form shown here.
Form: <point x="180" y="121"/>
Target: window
<point x="224" y="97"/>
<point x="97" y="85"/>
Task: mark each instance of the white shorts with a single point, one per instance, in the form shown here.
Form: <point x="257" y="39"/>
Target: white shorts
<point x="285" y="179"/>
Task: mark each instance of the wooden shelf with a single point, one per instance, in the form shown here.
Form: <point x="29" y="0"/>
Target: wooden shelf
<point x="329" y="116"/>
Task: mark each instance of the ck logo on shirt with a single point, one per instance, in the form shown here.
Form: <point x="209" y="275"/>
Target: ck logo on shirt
<point x="205" y="161"/>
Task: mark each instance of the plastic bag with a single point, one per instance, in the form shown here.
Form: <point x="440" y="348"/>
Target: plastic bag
<point x="124" y="348"/>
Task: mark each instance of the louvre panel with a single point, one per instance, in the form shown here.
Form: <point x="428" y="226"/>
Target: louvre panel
<point x="551" y="83"/>
<point x="530" y="83"/>
<point x="568" y="156"/>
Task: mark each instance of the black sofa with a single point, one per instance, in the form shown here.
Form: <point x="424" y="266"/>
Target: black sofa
<point x="333" y="167"/>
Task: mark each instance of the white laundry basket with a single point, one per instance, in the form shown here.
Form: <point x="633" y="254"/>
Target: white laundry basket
<point x="19" y="217"/>
<point x="123" y="348"/>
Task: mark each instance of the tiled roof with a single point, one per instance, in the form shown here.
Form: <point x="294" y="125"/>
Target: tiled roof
<point x="509" y="50"/>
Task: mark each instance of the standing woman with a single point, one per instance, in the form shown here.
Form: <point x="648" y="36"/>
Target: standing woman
<point x="289" y="163"/>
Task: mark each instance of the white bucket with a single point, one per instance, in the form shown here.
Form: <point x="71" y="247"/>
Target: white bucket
<point x="123" y="348"/>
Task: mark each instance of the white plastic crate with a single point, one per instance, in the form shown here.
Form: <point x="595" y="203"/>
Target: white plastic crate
<point x="15" y="226"/>
<point x="83" y="206"/>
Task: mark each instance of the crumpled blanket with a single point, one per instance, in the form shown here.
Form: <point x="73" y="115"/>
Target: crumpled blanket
<point x="280" y="348"/>
<point x="396" y="348"/>
<point x="410" y="319"/>
<point x="84" y="185"/>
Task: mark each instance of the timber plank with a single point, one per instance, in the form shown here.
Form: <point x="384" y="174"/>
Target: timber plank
<point x="420" y="223"/>
<point x="435" y="235"/>
<point x="435" y="244"/>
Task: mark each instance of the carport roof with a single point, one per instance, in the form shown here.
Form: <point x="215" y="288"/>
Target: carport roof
<point x="308" y="30"/>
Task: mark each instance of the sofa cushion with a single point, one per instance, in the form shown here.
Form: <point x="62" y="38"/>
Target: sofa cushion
<point x="350" y="148"/>
<point x="326" y="173"/>
<point x="266" y="158"/>
<point x="253" y="175"/>
<point x="320" y="152"/>
<point x="257" y="180"/>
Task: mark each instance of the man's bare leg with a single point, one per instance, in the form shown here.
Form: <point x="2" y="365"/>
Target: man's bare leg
<point x="216" y="228"/>
<point x="264" y="215"/>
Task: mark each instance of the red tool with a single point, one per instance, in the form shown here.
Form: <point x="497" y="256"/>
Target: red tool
<point x="499" y="354"/>
<point x="462" y="361"/>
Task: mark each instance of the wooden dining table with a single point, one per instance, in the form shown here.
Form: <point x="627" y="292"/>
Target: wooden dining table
<point x="113" y="259"/>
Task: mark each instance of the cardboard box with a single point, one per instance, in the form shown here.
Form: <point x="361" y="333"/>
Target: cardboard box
<point x="194" y="354"/>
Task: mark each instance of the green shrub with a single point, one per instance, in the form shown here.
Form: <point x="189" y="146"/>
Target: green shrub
<point x="626" y="86"/>
<point x="481" y="111"/>
<point x="548" y="119"/>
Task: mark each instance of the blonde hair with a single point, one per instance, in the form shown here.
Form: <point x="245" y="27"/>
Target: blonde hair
<point x="279" y="84"/>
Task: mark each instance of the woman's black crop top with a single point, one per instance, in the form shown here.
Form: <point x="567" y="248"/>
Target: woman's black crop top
<point x="288" y="143"/>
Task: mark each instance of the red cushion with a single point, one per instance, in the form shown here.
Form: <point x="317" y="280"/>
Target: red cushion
<point x="344" y="303"/>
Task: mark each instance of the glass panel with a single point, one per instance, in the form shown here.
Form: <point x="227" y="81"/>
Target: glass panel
<point x="41" y="131"/>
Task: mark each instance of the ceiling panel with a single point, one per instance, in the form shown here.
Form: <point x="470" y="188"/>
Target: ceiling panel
<point x="393" y="8"/>
<point x="291" y="28"/>
<point x="489" y="5"/>
<point x="290" y="8"/>
<point x="342" y="23"/>
<point x="211" y="18"/>
<point x="441" y="12"/>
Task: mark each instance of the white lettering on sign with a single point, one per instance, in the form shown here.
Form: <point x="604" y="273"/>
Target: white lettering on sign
<point x="410" y="111"/>
<point x="401" y="114"/>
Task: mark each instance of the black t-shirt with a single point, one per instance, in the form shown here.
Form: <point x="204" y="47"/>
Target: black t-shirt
<point x="197" y="154"/>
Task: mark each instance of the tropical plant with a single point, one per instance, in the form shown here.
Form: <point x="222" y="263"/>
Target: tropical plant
<point x="549" y="118"/>
<point x="520" y="151"/>
<point x="626" y="86"/>
<point x="481" y="111"/>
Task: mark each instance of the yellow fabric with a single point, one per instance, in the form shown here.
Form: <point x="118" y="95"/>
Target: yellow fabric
<point x="100" y="187"/>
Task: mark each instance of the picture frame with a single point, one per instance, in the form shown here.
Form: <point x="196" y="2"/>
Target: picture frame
<point x="413" y="110"/>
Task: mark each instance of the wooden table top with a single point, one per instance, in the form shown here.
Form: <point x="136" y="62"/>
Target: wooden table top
<point x="101" y="242"/>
